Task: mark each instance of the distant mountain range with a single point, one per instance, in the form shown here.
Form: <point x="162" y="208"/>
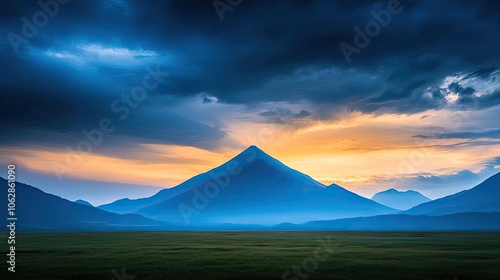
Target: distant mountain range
<point x="402" y="200"/>
<point x="37" y="210"/>
<point x="459" y="221"/>
<point x="252" y="188"/>
<point x="255" y="191"/>
<point x="485" y="197"/>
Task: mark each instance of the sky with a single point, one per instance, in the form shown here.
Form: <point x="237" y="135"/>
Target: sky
<point x="102" y="100"/>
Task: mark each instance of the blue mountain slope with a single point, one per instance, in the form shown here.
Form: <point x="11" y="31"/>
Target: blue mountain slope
<point x="461" y="221"/>
<point x="254" y="188"/>
<point x="37" y="210"/>
<point x="124" y="206"/>
<point x="83" y="202"/>
<point x="485" y="197"/>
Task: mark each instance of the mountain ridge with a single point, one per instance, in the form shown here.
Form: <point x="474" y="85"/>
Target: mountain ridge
<point x="484" y="197"/>
<point x="38" y="210"/>
<point x="126" y="205"/>
<point x="404" y="222"/>
<point x="402" y="200"/>
<point x="258" y="188"/>
<point x="83" y="202"/>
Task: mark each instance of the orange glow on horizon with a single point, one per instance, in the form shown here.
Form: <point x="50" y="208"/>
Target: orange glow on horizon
<point x="349" y="152"/>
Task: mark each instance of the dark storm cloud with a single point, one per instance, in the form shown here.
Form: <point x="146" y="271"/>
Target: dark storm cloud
<point x="260" y="44"/>
<point x="483" y="73"/>
<point x="207" y="99"/>
<point x="467" y="95"/>
<point x="262" y="51"/>
<point x="48" y="103"/>
<point x="284" y="115"/>
<point x="463" y="135"/>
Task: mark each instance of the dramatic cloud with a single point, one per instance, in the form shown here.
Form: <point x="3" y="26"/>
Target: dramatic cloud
<point x="463" y="135"/>
<point x="265" y="49"/>
<point x="269" y="68"/>
<point x="284" y="115"/>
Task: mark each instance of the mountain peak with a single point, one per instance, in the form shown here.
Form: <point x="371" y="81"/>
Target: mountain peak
<point x="402" y="200"/>
<point x="393" y="190"/>
<point x="83" y="202"/>
<point x="253" y="148"/>
<point x="253" y="152"/>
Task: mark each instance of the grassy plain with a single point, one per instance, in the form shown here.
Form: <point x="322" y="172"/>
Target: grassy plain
<point x="255" y="255"/>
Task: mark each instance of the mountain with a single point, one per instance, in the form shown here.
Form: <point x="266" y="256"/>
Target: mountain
<point x="460" y="221"/>
<point x="125" y="205"/>
<point x="37" y="210"/>
<point x="399" y="199"/>
<point x="83" y="202"/>
<point x="485" y="197"/>
<point x="255" y="188"/>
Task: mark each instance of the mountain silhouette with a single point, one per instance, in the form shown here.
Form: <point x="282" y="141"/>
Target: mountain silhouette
<point x="256" y="191"/>
<point x="37" y="210"/>
<point x="485" y="197"/>
<point x="255" y="188"/>
<point x="402" y="200"/>
<point x="459" y="221"/>
<point x="83" y="202"/>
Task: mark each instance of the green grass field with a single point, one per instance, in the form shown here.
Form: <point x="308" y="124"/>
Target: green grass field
<point x="256" y="255"/>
